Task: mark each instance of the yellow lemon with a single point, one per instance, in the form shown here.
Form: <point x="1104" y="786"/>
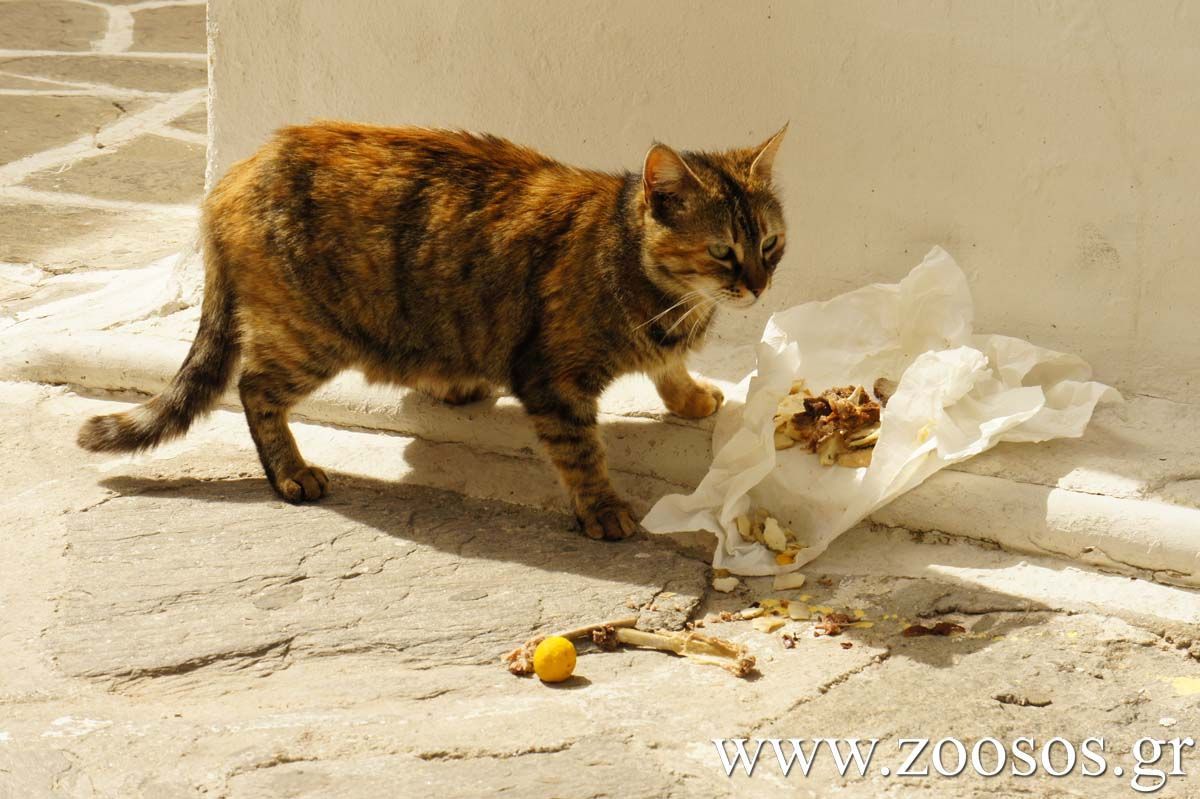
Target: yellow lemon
<point x="554" y="659"/>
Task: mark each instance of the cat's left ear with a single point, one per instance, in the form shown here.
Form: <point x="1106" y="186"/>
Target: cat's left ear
<point x="665" y="172"/>
<point x="764" y="156"/>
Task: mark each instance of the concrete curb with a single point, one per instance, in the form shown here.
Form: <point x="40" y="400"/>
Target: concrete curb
<point x="1143" y="536"/>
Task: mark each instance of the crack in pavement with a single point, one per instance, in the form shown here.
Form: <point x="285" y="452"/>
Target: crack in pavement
<point x="494" y="754"/>
<point x="823" y="689"/>
<point x="277" y="650"/>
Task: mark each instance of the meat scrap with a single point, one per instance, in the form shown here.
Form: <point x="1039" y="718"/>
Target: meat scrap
<point x="841" y="425"/>
<point x="832" y="624"/>
<point x="732" y="657"/>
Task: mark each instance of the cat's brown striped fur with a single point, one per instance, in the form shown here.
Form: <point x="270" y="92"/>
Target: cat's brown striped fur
<point x="460" y="263"/>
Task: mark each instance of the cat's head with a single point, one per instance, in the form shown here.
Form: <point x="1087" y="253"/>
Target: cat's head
<point x="713" y="222"/>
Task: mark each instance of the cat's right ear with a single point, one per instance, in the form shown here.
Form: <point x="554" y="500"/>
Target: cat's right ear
<point x="665" y="172"/>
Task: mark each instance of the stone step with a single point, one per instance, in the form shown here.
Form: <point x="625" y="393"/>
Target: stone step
<point x="1125" y="497"/>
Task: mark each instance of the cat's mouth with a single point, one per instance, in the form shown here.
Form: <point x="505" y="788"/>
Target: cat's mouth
<point x="745" y="300"/>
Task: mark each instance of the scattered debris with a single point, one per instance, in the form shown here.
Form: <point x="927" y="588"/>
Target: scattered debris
<point x="846" y="645"/>
<point x="789" y="640"/>
<point x="725" y="584"/>
<point x="798" y="611"/>
<point x="788" y="582"/>
<point x="1167" y="721"/>
<point x="942" y="628"/>
<point x="1022" y="701"/>
<point x="732" y="657"/>
<point x="832" y="624"/>
<point x="768" y="624"/>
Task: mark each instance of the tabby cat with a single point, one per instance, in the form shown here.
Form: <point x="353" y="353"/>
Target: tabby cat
<point x="458" y="264"/>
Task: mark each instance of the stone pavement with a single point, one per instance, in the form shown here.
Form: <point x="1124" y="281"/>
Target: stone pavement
<point x="171" y="629"/>
<point x="102" y="139"/>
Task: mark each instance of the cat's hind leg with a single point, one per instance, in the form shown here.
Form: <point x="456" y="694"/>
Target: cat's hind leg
<point x="269" y="387"/>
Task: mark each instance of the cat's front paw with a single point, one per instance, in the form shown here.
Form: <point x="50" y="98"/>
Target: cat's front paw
<point x="610" y="518"/>
<point x="702" y="400"/>
<point x="306" y="484"/>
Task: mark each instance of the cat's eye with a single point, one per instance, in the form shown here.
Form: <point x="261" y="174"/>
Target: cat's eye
<point x="769" y="243"/>
<point x="720" y="251"/>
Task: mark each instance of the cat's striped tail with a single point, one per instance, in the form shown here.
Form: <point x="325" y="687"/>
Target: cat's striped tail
<point x="194" y="389"/>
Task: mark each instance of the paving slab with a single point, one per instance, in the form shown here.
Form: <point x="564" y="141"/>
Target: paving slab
<point x="34" y="123"/>
<point x="170" y="29"/>
<point x="423" y="576"/>
<point x="66" y="238"/>
<point x="194" y="121"/>
<point x="12" y="82"/>
<point x="50" y="25"/>
<point x="149" y="169"/>
<point x="152" y="75"/>
<point x="19" y="282"/>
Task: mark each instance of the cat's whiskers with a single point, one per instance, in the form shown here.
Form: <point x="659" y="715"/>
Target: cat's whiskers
<point x="661" y="314"/>
<point x="711" y="301"/>
<point x="696" y="326"/>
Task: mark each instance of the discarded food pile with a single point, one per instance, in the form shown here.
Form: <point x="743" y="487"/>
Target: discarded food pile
<point x="841" y="425"/>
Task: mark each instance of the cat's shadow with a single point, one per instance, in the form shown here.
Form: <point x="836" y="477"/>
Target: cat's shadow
<point x="438" y="518"/>
<point x="540" y="539"/>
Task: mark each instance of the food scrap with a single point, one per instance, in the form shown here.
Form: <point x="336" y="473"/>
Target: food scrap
<point x="797" y="611"/>
<point x="554" y="659"/>
<point x="725" y="584"/>
<point x="788" y="582"/>
<point x="832" y="624"/>
<point x="768" y="624"/>
<point x="732" y="657"/>
<point x="760" y="527"/>
<point x="841" y="425"/>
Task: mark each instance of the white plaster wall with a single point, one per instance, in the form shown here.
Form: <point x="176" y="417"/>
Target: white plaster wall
<point x="1051" y="146"/>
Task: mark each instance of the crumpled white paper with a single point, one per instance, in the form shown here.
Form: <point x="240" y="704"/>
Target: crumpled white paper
<point x="959" y="394"/>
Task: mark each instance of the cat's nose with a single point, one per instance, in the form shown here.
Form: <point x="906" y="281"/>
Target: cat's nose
<point x="756" y="281"/>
